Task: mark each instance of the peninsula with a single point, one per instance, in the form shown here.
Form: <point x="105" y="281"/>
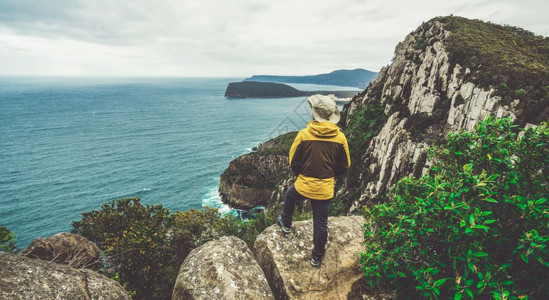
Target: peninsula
<point x="358" y="78"/>
<point x="253" y="89"/>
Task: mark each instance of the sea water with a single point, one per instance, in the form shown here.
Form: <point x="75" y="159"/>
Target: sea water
<point x="67" y="145"/>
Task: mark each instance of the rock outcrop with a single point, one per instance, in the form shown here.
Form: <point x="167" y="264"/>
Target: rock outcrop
<point x="256" y="178"/>
<point x="65" y="248"/>
<point x="221" y="269"/>
<point x="426" y="94"/>
<point x="285" y="259"/>
<point x="25" y="278"/>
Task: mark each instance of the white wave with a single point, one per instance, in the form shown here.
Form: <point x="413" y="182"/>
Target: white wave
<point x="213" y="199"/>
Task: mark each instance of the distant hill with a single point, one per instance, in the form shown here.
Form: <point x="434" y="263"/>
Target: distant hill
<point x="356" y="78"/>
<point x="254" y="89"/>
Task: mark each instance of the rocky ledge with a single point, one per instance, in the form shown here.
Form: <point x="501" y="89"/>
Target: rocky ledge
<point x="25" y="278"/>
<point x="65" y="248"/>
<point x="285" y="259"/>
<point x="225" y="268"/>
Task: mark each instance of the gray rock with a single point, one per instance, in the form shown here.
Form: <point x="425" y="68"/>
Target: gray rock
<point x="25" y="278"/>
<point x="285" y="259"/>
<point x="221" y="269"/>
<point x="65" y="248"/>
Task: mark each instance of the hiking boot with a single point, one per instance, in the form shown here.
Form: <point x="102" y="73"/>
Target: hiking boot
<point x="285" y="229"/>
<point x="315" y="261"/>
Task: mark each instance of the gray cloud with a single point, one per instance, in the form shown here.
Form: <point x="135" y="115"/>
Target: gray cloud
<point x="225" y="38"/>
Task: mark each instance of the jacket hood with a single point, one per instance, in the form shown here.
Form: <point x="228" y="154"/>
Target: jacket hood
<point x="322" y="129"/>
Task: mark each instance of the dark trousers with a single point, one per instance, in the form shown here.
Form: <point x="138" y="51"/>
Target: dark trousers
<point x="320" y="218"/>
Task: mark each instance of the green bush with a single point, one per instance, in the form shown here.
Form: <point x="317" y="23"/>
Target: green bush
<point x="475" y="227"/>
<point x="135" y="243"/>
<point x="7" y="240"/>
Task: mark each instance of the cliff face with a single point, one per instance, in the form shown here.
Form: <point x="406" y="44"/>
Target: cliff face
<point x="258" y="178"/>
<point x="431" y="89"/>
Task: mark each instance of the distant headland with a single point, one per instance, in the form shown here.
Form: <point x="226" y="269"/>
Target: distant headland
<point x="253" y="89"/>
<point x="358" y="78"/>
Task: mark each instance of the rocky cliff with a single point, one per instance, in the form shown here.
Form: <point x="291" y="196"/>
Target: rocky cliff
<point x="445" y="76"/>
<point x="260" y="177"/>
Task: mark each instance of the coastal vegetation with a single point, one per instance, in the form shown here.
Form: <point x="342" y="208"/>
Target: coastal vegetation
<point x="474" y="227"/>
<point x="7" y="240"/>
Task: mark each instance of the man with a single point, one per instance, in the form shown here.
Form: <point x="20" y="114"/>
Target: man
<point x="318" y="154"/>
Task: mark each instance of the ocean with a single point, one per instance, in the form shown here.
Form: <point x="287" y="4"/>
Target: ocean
<point x="68" y="145"/>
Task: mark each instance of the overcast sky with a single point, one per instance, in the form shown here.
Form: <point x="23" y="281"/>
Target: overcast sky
<point x="235" y="38"/>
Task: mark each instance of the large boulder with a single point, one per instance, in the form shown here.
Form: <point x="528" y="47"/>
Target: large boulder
<point x="65" y="248"/>
<point x="25" y="278"/>
<point x="221" y="269"/>
<point x="285" y="259"/>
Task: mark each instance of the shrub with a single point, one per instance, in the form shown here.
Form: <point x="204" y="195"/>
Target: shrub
<point x="7" y="240"/>
<point x="134" y="240"/>
<point x="475" y="227"/>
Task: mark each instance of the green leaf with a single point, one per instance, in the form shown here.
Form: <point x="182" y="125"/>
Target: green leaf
<point x="524" y="257"/>
<point x="469" y="292"/>
<point x="457" y="296"/>
<point x="480" y="254"/>
<point x="541" y="201"/>
<point x="440" y="282"/>
<point x="491" y="200"/>
<point x="486" y="228"/>
<point x="489" y="221"/>
<point x="471" y="267"/>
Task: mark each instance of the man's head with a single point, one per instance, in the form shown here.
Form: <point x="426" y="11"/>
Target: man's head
<point x="324" y="109"/>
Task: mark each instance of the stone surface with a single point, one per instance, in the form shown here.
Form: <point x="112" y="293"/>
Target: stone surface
<point x="65" y="248"/>
<point x="25" y="278"/>
<point x="285" y="259"/>
<point x="221" y="269"/>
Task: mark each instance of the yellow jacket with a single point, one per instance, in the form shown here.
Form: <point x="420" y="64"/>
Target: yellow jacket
<point x="319" y="153"/>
